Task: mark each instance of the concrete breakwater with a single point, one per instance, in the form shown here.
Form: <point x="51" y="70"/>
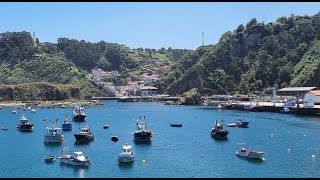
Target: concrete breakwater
<point x="238" y="104"/>
<point x="277" y="107"/>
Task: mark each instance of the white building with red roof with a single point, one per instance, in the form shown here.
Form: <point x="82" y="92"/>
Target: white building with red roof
<point x="312" y="98"/>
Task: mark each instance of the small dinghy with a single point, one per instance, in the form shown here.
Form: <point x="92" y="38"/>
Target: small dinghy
<point x="4" y="128"/>
<point x="176" y="125"/>
<point x="243" y="152"/>
<point x="106" y="126"/>
<point x="114" y="138"/>
<point x="232" y="125"/>
<point x="50" y="158"/>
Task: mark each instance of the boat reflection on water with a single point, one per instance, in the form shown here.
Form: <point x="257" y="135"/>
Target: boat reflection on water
<point x="78" y="171"/>
<point x="53" y="144"/>
<point x="82" y="143"/>
<point x="254" y="161"/>
<point x="219" y="140"/>
<point x="125" y="165"/>
<point x="146" y="143"/>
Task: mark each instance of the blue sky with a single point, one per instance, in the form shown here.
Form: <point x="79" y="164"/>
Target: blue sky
<point x="142" y="24"/>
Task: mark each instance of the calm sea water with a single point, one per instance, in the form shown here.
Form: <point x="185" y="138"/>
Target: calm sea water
<point x="174" y="152"/>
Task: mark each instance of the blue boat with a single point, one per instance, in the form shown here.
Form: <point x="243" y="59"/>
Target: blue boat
<point x="242" y="124"/>
<point x="142" y="133"/>
<point x="66" y="124"/>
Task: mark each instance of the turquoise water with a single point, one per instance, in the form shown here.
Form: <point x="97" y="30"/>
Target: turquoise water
<point x="174" y="152"/>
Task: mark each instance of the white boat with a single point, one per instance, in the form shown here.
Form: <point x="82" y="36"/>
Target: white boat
<point x="4" y="128"/>
<point x="243" y="152"/>
<point x="126" y="155"/>
<point x="33" y="110"/>
<point x="231" y="125"/>
<point x="29" y="107"/>
<point x="50" y="158"/>
<point x="14" y="111"/>
<point x="78" y="159"/>
<point x="24" y="124"/>
<point x="53" y="134"/>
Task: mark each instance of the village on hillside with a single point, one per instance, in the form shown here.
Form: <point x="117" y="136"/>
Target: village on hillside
<point x="137" y="85"/>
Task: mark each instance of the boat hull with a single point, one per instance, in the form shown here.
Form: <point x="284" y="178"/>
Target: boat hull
<point x="79" y="118"/>
<point x="231" y="125"/>
<point x="222" y="135"/>
<point x="126" y="159"/>
<point x="74" y="162"/>
<point x="50" y="158"/>
<point x="226" y="107"/>
<point x="67" y="127"/>
<point x="25" y="127"/>
<point x="254" y="109"/>
<point x="53" y="138"/>
<point x="142" y="136"/>
<point x="242" y="124"/>
<point x="84" y="137"/>
<point x="176" y="125"/>
<point x="252" y="155"/>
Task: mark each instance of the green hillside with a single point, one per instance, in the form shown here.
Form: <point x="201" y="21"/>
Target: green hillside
<point x="252" y="58"/>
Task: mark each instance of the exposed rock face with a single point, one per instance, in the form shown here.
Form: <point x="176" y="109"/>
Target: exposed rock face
<point x="192" y="79"/>
<point x="38" y="92"/>
<point x="192" y="97"/>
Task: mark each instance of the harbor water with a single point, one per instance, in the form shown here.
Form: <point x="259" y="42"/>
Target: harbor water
<point x="291" y="143"/>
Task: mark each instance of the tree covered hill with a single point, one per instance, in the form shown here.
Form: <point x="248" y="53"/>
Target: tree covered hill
<point x="252" y="58"/>
<point x="69" y="62"/>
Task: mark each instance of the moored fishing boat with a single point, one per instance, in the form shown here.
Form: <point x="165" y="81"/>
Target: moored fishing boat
<point x="78" y="114"/>
<point x="218" y="132"/>
<point x="84" y="135"/>
<point x="24" y="124"/>
<point x="142" y="133"/>
<point x="77" y="159"/>
<point x="127" y="155"/>
<point x="66" y="124"/>
<point x="53" y="134"/>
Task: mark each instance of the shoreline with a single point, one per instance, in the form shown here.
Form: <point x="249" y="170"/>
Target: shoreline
<point x="48" y="104"/>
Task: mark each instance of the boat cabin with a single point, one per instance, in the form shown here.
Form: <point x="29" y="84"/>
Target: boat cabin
<point x="219" y="127"/>
<point x="126" y="149"/>
<point x="52" y="131"/>
<point x="23" y="120"/>
<point x="79" y="155"/>
<point x="85" y="129"/>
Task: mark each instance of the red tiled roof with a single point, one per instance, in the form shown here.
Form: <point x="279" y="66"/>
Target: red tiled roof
<point x="316" y="92"/>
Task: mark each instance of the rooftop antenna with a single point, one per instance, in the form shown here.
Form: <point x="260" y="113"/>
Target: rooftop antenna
<point x="202" y="38"/>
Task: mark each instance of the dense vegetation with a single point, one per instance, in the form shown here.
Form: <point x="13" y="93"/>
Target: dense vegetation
<point x="252" y="58"/>
<point x="249" y="59"/>
<point x="25" y="60"/>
